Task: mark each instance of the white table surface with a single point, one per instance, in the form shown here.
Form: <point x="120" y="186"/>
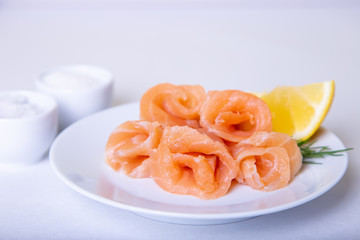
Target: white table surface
<point x="256" y="47"/>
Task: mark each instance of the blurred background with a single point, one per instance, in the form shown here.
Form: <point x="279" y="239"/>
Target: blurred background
<point x="219" y="44"/>
<point x="249" y="45"/>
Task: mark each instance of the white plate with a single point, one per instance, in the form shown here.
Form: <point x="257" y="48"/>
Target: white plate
<point x="77" y="156"/>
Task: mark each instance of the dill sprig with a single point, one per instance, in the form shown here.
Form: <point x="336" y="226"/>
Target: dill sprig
<point x="309" y="151"/>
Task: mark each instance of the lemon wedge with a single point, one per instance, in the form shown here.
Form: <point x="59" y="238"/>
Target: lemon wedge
<point x="299" y="111"/>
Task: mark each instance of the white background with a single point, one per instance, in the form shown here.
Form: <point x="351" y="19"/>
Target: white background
<point x="248" y="45"/>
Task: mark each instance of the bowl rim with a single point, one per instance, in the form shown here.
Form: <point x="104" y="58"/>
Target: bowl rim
<point x="47" y="103"/>
<point x="106" y="81"/>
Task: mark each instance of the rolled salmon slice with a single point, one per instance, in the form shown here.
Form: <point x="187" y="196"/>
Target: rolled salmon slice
<point x="276" y="139"/>
<point x="173" y="105"/>
<point x="234" y="115"/>
<point x="267" y="161"/>
<point x="129" y="147"/>
<point x="191" y="163"/>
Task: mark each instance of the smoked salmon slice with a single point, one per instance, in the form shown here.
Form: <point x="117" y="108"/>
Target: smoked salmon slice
<point x="130" y="145"/>
<point x="195" y="143"/>
<point x="189" y="162"/>
<point x="173" y="105"/>
<point x="234" y="115"/>
<point x="267" y="161"/>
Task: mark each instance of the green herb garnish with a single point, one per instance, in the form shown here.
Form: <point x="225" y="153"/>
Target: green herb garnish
<point x="309" y="151"/>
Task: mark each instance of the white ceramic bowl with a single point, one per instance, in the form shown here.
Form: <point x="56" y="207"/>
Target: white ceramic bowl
<point x="80" y="90"/>
<point x="25" y="139"/>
